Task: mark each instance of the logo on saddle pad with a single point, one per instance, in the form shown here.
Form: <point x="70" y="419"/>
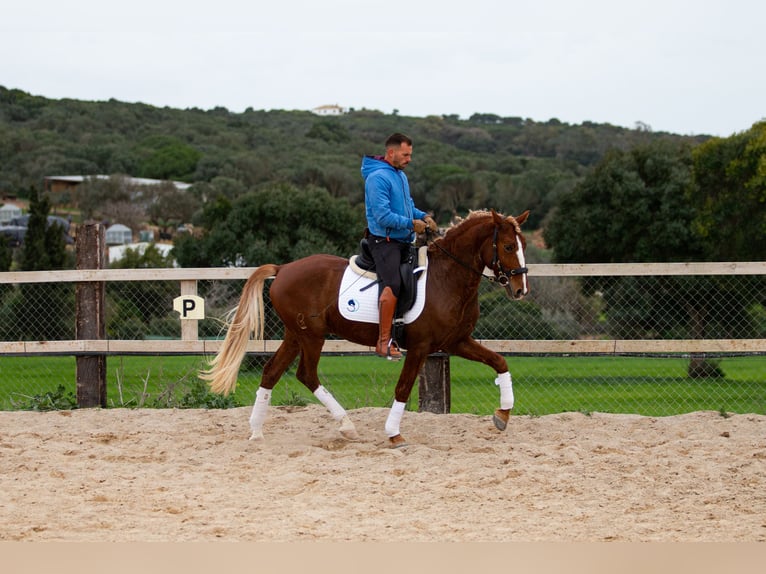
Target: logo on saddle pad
<point x="358" y="293"/>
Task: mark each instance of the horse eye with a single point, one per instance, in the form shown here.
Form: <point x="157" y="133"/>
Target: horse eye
<point x="509" y="248"/>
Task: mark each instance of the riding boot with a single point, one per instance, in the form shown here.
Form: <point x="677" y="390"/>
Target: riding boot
<point x="386" y="308"/>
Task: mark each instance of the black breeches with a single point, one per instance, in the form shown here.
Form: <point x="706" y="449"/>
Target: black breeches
<point x="388" y="256"/>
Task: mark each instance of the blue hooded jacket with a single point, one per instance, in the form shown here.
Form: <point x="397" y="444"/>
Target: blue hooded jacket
<point x="389" y="206"/>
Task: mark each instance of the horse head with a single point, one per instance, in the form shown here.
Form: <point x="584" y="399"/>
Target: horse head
<point x="504" y="256"/>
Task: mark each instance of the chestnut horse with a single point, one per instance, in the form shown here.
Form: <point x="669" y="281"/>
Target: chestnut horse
<point x="304" y="294"/>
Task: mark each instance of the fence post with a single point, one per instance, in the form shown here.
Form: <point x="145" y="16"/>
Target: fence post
<point x="189" y="327"/>
<point x="434" y="385"/>
<point x="90" y="321"/>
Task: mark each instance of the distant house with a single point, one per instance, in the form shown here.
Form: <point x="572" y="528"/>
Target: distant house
<point x="8" y="212"/>
<point x="118" y="234"/>
<point x="331" y="110"/>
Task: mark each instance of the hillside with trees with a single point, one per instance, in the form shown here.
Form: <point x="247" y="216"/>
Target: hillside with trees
<point x="612" y="183"/>
<point x="509" y="163"/>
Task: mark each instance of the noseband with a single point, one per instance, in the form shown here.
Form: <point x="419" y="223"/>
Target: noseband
<point x="501" y="273"/>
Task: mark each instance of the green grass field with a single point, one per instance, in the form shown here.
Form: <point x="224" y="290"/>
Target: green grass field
<point x="543" y="385"/>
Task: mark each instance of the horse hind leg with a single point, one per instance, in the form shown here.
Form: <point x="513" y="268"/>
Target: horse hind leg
<point x="307" y="374"/>
<point x="272" y="372"/>
<point x="259" y="413"/>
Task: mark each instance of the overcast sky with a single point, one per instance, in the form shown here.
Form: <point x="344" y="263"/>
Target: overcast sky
<point x="682" y="66"/>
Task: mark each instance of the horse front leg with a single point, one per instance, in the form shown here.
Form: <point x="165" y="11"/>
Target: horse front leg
<point x="412" y="365"/>
<point x="470" y="349"/>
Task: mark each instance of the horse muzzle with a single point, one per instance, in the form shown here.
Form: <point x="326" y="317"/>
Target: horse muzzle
<point x="503" y="279"/>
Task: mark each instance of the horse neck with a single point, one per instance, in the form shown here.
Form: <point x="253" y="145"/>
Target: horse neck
<point x="464" y="244"/>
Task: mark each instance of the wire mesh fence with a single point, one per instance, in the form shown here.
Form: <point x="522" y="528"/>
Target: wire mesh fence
<point x="726" y="311"/>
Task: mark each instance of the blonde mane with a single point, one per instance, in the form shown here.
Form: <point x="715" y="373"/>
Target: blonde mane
<point x="476" y="216"/>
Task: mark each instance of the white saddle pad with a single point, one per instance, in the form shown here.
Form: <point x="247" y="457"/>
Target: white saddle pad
<point x="358" y="294"/>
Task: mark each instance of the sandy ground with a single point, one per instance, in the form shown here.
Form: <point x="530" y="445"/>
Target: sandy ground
<point x="192" y="475"/>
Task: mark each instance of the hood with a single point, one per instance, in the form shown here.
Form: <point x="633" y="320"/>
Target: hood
<point x="373" y="163"/>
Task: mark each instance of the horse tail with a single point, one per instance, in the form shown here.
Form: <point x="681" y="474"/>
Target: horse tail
<point x="248" y="318"/>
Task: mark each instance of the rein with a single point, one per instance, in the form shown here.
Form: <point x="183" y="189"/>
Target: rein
<point x="501" y="274"/>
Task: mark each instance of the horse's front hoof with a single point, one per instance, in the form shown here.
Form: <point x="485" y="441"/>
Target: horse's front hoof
<point x="348" y="430"/>
<point x="397" y="441"/>
<point x="257" y="436"/>
<point x="500" y="418"/>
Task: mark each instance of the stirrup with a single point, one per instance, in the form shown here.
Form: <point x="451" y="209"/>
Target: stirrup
<point x="387" y="354"/>
<point x="397" y="350"/>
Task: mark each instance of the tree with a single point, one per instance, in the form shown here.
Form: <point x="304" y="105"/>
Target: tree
<point x="165" y="157"/>
<point x="42" y="311"/>
<point x="145" y="306"/>
<point x="730" y="194"/>
<point x="631" y="208"/>
<point x="330" y="131"/>
<point x="170" y="206"/>
<point x="459" y="193"/>
<point x="94" y="196"/>
<point x="44" y="246"/>
<point x="634" y="207"/>
<point x="275" y="224"/>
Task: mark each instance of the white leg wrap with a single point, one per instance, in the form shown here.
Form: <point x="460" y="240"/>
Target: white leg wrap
<point x="260" y="410"/>
<point x="325" y="397"/>
<point x="394" y="419"/>
<point x="503" y="381"/>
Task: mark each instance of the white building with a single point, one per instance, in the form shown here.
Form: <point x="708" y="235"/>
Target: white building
<point x="330" y="110"/>
<point x="8" y="212"/>
<point x="118" y="234"/>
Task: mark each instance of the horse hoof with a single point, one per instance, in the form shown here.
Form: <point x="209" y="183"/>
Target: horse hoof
<point x="350" y="435"/>
<point x="348" y="430"/>
<point x="256" y="436"/>
<point x="500" y="418"/>
<point x="397" y="441"/>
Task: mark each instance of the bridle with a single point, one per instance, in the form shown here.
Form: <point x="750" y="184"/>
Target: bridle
<point x="502" y="276"/>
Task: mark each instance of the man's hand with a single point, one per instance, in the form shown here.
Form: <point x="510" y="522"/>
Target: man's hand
<point x="418" y="225"/>
<point x="431" y="223"/>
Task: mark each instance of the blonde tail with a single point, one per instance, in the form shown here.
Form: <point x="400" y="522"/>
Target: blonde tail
<point x="248" y="318"/>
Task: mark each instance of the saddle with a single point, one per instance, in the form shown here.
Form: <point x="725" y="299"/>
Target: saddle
<point x="409" y="270"/>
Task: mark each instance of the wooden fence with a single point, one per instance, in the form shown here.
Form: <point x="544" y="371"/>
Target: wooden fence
<point x="91" y="345"/>
<point x="189" y="342"/>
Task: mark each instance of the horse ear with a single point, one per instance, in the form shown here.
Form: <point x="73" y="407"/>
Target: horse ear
<point x="496" y="216"/>
<point x="522" y="218"/>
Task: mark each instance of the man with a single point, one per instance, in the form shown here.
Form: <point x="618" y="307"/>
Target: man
<point x="392" y="221"/>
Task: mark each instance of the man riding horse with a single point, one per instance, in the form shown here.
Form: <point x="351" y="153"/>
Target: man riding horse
<point x="392" y="222"/>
